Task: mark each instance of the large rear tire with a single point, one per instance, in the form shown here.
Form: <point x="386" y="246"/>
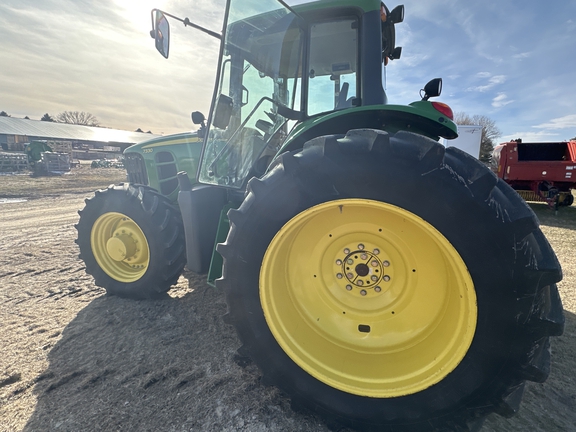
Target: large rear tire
<point x="381" y="310"/>
<point x="131" y="239"/>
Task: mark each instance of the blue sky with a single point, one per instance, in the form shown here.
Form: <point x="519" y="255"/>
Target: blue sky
<point x="511" y="60"/>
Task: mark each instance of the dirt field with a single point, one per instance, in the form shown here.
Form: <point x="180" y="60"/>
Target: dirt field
<point x="74" y="359"/>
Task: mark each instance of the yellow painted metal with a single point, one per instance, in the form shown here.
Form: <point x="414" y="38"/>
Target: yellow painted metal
<point x="368" y="298"/>
<point x="120" y="247"/>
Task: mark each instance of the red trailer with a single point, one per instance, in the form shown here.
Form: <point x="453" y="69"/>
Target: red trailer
<point x="538" y="171"/>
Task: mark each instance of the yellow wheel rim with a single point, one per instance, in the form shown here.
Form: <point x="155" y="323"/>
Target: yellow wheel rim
<point x="120" y="247"/>
<point x="368" y="298"/>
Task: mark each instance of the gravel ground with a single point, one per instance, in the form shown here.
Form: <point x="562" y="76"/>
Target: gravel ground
<point x="75" y="359"/>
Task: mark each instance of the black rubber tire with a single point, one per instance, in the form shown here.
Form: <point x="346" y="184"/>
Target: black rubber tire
<point x="568" y="200"/>
<point x="513" y="268"/>
<point x="161" y="223"/>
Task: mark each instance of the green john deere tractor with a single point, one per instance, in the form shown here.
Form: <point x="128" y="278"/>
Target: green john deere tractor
<point x="381" y="280"/>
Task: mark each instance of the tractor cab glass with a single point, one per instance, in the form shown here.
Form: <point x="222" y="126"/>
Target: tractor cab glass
<point x="257" y="92"/>
<point x="333" y="65"/>
<point x="265" y="80"/>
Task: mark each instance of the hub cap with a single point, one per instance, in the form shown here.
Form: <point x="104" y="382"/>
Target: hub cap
<point x="120" y="247"/>
<point x="368" y="298"/>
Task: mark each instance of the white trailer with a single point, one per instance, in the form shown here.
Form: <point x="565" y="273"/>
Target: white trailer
<point x="469" y="137"/>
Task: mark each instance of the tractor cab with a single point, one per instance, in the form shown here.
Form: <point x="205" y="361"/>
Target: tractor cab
<point x="281" y="66"/>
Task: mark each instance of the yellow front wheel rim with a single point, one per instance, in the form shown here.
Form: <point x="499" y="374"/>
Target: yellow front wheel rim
<point x="120" y="247"/>
<point x="368" y="298"/>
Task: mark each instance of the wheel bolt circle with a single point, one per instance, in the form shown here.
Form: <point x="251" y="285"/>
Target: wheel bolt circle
<point x="356" y="265"/>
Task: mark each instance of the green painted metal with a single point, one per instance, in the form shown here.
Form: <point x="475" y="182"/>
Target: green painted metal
<point x="185" y="149"/>
<point x="217" y="261"/>
<point x="422" y="109"/>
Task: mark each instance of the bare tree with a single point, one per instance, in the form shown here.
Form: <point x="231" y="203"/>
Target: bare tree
<point x="47" y="117"/>
<point x="78" y="118"/>
<point x="490" y="132"/>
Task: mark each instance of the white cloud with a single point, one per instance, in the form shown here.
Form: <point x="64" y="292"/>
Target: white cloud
<point x="522" y="55"/>
<point x="492" y="82"/>
<point x="565" y="122"/>
<point x="501" y="100"/>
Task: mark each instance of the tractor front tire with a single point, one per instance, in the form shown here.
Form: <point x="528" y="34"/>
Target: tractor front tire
<point x="381" y="310"/>
<point x="131" y="239"/>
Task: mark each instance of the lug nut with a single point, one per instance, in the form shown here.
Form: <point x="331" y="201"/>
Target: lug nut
<point x="350" y="275"/>
<point x="374" y="278"/>
<point x="376" y="251"/>
<point x="374" y="263"/>
<point x="360" y="246"/>
<point x="363" y="292"/>
<point x="360" y="282"/>
<point x="338" y="262"/>
<point x="364" y="256"/>
<point x="350" y="261"/>
<point x="386" y="263"/>
<point x="386" y="278"/>
<point x="339" y="275"/>
<point x="377" y="289"/>
<point x="349" y="287"/>
<point x="346" y="251"/>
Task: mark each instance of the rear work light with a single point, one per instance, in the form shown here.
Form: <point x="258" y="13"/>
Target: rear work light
<point x="444" y="109"/>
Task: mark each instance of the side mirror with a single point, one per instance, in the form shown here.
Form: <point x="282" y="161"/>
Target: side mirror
<point x="396" y="53"/>
<point x="432" y="89"/>
<point x="198" y="117"/>
<point x="161" y="32"/>
<point x="389" y="19"/>
<point x="223" y="112"/>
<point x="397" y="14"/>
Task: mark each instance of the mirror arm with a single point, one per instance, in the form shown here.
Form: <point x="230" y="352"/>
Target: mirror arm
<point x="188" y="23"/>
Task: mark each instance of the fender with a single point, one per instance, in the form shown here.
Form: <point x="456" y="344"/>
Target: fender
<point x="420" y="117"/>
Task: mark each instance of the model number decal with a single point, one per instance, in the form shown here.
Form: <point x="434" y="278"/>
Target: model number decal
<point x="147" y="150"/>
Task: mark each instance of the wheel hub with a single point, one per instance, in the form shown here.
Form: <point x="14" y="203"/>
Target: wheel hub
<point x="120" y="247"/>
<point x="359" y="267"/>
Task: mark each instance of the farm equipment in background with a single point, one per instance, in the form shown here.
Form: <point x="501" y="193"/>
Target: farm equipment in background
<point x="107" y="163"/>
<point x="538" y="171"/>
<point x="371" y="273"/>
<point x="49" y="158"/>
